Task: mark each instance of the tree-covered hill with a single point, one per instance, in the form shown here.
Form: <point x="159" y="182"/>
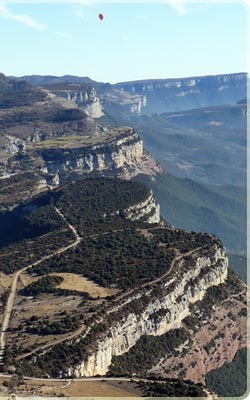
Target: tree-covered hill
<point x="18" y="93"/>
<point x="207" y="145"/>
<point x="91" y="205"/>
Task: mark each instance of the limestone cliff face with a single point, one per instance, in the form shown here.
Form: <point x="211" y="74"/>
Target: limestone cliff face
<point x="88" y="101"/>
<point x="170" y="95"/>
<point x="115" y="154"/>
<point x="182" y="286"/>
<point x="185" y="83"/>
<point x="146" y="211"/>
<point x="149" y="211"/>
<point x="120" y="156"/>
<point x="138" y="104"/>
<point x="214" y="338"/>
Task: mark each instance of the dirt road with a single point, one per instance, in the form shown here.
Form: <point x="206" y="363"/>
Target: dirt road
<point x="12" y="294"/>
<point x="80" y="330"/>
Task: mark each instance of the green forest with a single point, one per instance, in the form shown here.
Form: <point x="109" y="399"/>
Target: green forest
<point x="230" y="380"/>
<point x="147" y="352"/>
<point x="124" y="259"/>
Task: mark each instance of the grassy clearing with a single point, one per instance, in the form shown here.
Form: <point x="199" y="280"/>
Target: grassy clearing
<point x="97" y="389"/>
<point x="77" y="282"/>
<point x="73" y="141"/>
<point x="146" y="233"/>
<point x="26" y="279"/>
<point x="5" y="281"/>
<point x="72" y="389"/>
<point x="71" y="281"/>
<point x="46" y="306"/>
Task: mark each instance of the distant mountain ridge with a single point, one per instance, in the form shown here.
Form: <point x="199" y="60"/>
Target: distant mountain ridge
<point x="178" y="82"/>
<point x="168" y="95"/>
<point x="51" y="79"/>
<point x="150" y="96"/>
<point x="186" y="81"/>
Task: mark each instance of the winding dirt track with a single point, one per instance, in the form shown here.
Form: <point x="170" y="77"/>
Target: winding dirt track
<point x="12" y="294"/>
<point x="82" y="329"/>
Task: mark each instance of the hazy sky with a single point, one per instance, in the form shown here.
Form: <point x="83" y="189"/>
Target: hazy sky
<point x="134" y="41"/>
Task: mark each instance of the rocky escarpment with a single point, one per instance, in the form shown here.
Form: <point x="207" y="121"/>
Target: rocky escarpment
<point x="86" y="99"/>
<point x="130" y="103"/>
<point x="138" y="104"/>
<point x="122" y="156"/>
<point x="149" y="85"/>
<point x="159" y="95"/>
<point x="79" y="95"/>
<point x="146" y="211"/>
<point x="215" y="343"/>
<point x="156" y="309"/>
<point x="170" y="95"/>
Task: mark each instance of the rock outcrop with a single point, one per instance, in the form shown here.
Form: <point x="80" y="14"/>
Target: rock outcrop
<point x="121" y="156"/>
<point x="88" y="101"/>
<point x="169" y="95"/>
<point x="138" y="104"/>
<point x="148" y="211"/>
<point x="215" y="338"/>
<point x="156" y="84"/>
<point x="167" y="302"/>
<point x="145" y="211"/>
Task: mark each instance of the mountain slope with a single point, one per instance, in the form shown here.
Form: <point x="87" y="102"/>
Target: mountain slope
<point x="207" y="144"/>
<point x="190" y="205"/>
<point x="101" y="275"/>
<point x="231" y="379"/>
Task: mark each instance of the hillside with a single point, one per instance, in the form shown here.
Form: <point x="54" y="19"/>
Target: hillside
<point x="191" y="205"/>
<point x="17" y="94"/>
<point x="54" y="138"/>
<point x="90" y="271"/>
<point x="39" y="80"/>
<point x="199" y="345"/>
<point x="231" y="379"/>
<point x="207" y="145"/>
<point x="128" y="268"/>
<point x="167" y="95"/>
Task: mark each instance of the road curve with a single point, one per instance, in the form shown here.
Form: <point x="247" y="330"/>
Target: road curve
<point x="81" y="329"/>
<point x="11" y="298"/>
<point x="12" y="293"/>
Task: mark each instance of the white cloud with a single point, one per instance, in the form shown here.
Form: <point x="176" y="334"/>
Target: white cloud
<point x="179" y="6"/>
<point x="23" y="19"/>
<point x="86" y="3"/>
<point x="79" y="13"/>
<point x="79" y="9"/>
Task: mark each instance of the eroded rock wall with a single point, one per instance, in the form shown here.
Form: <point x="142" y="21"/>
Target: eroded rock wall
<point x="183" y="285"/>
<point x="121" y="156"/>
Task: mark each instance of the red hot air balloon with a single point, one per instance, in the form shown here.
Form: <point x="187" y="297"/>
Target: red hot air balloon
<point x="101" y="16"/>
